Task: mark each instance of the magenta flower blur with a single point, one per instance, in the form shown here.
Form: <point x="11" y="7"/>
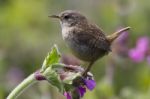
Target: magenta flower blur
<point x="122" y="39"/>
<point x="142" y="44"/>
<point x="67" y="95"/>
<point x="148" y="59"/>
<point x="138" y="53"/>
<point x="81" y="89"/>
<point x="90" y="84"/>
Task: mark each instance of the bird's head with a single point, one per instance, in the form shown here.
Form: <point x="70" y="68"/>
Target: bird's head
<point x="70" y="18"/>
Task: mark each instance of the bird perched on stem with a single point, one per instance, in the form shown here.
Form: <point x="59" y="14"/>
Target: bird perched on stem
<point x="86" y="40"/>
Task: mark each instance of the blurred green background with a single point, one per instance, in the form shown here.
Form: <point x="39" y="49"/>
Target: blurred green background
<point x="27" y="34"/>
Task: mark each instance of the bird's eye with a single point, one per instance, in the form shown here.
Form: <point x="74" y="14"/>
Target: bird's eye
<point x="66" y="17"/>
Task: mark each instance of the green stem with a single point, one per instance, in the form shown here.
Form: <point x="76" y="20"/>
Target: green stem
<point x="22" y="86"/>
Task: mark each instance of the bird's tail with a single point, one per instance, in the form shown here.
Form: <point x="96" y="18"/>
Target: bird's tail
<point x="115" y="35"/>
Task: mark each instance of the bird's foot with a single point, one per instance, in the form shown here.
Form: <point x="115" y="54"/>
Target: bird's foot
<point x="85" y="73"/>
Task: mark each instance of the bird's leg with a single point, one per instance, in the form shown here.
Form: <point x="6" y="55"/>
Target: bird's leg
<point x="87" y="69"/>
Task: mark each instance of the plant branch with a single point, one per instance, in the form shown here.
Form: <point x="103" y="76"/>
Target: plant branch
<point x="22" y="86"/>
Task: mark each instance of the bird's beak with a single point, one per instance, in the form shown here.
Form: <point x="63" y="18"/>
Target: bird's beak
<point x="54" y="16"/>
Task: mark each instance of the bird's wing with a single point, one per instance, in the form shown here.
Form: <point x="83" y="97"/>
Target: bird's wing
<point x="93" y="37"/>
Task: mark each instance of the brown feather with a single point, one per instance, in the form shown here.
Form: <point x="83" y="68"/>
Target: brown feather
<point x="115" y="35"/>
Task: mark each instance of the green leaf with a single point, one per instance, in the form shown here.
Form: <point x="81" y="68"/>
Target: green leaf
<point x="57" y="66"/>
<point x="71" y="76"/>
<point x="52" y="58"/>
<point x="54" y="79"/>
<point x="68" y="87"/>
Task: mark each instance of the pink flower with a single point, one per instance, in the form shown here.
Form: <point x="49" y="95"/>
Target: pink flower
<point x="138" y="53"/>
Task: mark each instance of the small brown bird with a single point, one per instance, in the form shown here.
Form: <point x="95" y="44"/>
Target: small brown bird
<point x="86" y="40"/>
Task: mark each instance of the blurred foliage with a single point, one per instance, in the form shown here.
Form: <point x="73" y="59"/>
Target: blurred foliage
<point x="27" y="34"/>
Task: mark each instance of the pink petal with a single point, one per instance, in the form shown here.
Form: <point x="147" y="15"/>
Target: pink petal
<point x="136" y="55"/>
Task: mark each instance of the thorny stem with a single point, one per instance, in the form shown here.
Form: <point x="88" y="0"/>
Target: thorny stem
<point x="22" y="86"/>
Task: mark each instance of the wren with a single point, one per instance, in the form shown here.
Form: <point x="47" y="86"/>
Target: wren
<point x="86" y="40"/>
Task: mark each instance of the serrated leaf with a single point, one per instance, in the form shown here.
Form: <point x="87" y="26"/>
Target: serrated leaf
<point x="52" y="58"/>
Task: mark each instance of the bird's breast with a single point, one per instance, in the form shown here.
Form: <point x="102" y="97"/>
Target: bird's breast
<point x="67" y="32"/>
<point x="81" y="51"/>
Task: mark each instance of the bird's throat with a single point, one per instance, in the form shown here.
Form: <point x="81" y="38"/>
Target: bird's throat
<point x="67" y="32"/>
